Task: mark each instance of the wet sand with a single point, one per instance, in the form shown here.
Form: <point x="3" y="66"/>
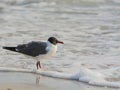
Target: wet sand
<point x="28" y="81"/>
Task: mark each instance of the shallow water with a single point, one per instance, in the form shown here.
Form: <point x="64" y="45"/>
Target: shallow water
<point x="89" y="28"/>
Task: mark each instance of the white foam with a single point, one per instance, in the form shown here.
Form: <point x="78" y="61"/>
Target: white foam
<point x="94" y="0"/>
<point x="5" y="69"/>
<point x="84" y="75"/>
<point x="94" y="29"/>
<point x="23" y="2"/>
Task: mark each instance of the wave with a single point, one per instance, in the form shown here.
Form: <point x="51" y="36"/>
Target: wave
<point x="84" y="75"/>
<point x="23" y="2"/>
<point x="18" y="2"/>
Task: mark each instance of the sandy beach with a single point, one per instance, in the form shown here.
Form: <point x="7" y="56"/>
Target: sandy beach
<point x="89" y="58"/>
<point x="28" y="81"/>
<point x="9" y="86"/>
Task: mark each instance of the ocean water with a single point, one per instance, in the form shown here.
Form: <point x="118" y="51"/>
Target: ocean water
<point x="90" y="30"/>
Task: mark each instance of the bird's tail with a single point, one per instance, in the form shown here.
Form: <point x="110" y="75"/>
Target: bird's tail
<point x="10" y="48"/>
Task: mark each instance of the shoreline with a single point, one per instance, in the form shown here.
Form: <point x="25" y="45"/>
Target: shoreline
<point x="28" y="81"/>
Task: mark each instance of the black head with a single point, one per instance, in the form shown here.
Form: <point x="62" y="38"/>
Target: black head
<point x="54" y="41"/>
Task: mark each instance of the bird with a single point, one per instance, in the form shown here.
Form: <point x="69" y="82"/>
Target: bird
<point x="38" y="50"/>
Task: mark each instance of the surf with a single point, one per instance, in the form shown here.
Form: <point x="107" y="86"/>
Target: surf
<point x="84" y="75"/>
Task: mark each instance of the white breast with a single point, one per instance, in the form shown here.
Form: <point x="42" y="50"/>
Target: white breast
<point x="51" y="50"/>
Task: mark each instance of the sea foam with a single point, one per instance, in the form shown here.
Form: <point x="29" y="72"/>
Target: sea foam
<point x="84" y="75"/>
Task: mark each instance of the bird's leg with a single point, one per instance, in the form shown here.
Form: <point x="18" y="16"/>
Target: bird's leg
<point x="38" y="65"/>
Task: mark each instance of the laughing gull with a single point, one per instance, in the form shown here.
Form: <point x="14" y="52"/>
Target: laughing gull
<point x="37" y="50"/>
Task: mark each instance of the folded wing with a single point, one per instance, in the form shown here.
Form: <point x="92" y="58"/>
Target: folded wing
<point x="31" y="49"/>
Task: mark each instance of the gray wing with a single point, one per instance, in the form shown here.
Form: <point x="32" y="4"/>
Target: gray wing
<point x="32" y="48"/>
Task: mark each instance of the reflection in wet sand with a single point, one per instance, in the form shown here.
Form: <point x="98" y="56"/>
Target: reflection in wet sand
<point x="37" y="80"/>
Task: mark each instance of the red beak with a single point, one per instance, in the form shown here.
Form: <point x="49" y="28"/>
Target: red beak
<point x="60" y="42"/>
